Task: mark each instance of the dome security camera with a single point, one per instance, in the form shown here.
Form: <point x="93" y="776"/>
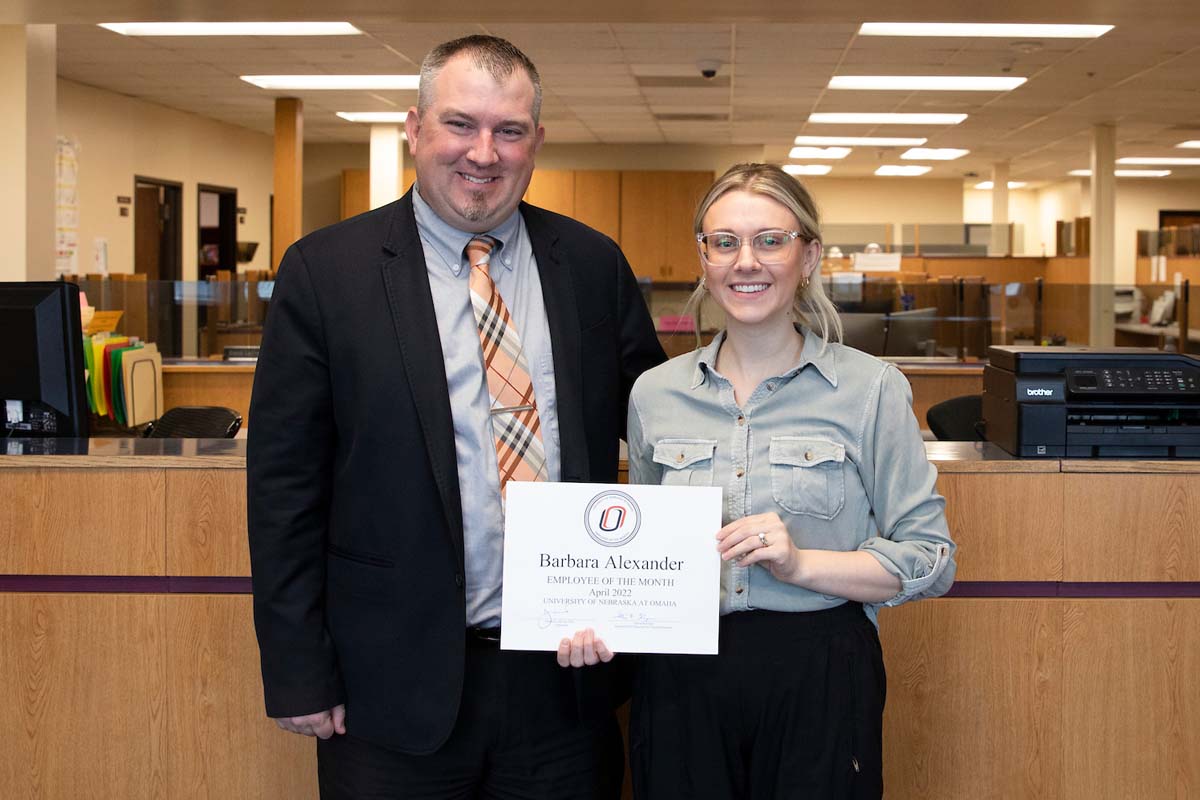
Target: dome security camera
<point x="708" y="68"/>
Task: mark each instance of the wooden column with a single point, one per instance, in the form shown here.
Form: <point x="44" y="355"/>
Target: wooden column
<point x="289" y="176"/>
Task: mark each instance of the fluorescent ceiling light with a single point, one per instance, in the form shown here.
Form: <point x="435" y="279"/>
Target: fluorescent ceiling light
<point x="232" y="28"/>
<point x="933" y="153"/>
<point x="864" y="141"/>
<point x="902" y="170"/>
<point x="1194" y="143"/>
<point x="374" y="116"/>
<point x="819" y="152"/>
<point x="973" y="29"/>
<point x="1126" y="173"/>
<point x="807" y="169"/>
<point x="886" y="119"/>
<point x="292" y="82"/>
<point x="941" y="83"/>
<point x="1166" y="162"/>
<point x="1011" y="184"/>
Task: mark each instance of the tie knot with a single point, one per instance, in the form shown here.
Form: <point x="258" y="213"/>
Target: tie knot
<point x="479" y="251"/>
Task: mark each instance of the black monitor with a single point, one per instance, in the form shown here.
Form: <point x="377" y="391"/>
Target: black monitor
<point x="41" y="373"/>
<point x="866" y="332"/>
<point x="912" y="333"/>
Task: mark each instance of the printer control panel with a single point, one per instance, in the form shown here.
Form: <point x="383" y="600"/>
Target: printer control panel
<point x="1134" y="381"/>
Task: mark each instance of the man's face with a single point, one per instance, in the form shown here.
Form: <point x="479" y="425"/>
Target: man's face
<point x="474" y="147"/>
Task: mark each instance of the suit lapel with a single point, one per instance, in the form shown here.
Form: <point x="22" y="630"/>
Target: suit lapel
<point x="415" y="321"/>
<point x="562" y="315"/>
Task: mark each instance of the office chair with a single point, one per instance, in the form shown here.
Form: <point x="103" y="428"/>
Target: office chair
<point x="959" y="419"/>
<point x="195" y="422"/>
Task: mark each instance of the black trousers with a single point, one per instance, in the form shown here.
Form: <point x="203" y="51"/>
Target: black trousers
<point x="518" y="737"/>
<point x="791" y="708"/>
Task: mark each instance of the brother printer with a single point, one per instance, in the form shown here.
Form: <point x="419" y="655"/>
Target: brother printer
<point x="1080" y="402"/>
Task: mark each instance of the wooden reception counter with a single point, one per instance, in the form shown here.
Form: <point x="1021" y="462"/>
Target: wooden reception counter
<point x="1062" y="665"/>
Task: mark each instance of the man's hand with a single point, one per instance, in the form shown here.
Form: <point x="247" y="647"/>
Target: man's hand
<point x="583" y="649"/>
<point x="323" y="724"/>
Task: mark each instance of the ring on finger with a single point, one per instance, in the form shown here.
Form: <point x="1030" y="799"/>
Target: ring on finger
<point x="762" y="537"/>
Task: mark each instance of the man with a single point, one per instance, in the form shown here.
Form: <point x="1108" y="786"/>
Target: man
<point x="380" y="440"/>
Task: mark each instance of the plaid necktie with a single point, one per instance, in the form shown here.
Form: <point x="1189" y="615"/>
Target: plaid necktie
<point x="520" y="454"/>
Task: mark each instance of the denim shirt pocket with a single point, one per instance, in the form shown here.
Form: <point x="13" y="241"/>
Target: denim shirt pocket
<point x="686" y="462"/>
<point x="806" y="475"/>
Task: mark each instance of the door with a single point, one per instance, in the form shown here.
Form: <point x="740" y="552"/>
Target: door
<point x="158" y="254"/>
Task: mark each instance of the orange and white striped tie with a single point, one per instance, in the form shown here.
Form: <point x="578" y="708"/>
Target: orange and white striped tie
<point x="520" y="454"/>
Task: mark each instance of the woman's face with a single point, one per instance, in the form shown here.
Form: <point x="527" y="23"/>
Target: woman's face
<point x="748" y="290"/>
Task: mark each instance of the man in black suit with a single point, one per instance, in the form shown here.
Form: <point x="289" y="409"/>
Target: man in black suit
<point x="375" y="510"/>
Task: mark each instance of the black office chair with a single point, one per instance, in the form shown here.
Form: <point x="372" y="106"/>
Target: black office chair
<point x="959" y="419"/>
<point x="195" y="422"/>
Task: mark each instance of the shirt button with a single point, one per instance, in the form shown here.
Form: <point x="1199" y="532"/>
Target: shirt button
<point x="808" y="455"/>
<point x="741" y="420"/>
<point x="679" y="458"/>
<point x="740" y="472"/>
<point x="739" y="590"/>
<point x="770" y="387"/>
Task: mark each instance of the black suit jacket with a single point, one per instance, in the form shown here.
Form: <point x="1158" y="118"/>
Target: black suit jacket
<point x="355" y="518"/>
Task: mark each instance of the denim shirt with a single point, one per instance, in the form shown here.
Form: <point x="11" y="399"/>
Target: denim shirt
<point x="831" y="446"/>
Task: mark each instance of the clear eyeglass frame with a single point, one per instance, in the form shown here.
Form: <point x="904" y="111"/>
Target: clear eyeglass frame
<point x="764" y="251"/>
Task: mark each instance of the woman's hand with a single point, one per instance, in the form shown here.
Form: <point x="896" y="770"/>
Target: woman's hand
<point x="583" y="649"/>
<point x="761" y="539"/>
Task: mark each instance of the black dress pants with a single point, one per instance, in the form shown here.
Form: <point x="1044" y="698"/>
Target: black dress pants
<point x="791" y="708"/>
<point x="518" y="737"/>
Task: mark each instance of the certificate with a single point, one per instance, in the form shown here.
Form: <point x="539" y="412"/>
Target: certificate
<point x="637" y="564"/>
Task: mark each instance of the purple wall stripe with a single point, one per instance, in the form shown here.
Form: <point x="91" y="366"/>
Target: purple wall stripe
<point x="157" y="584"/>
<point x="1068" y="589"/>
<point x="123" y="584"/>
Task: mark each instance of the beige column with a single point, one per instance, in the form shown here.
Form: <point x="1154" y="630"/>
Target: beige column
<point x="999" y="242"/>
<point x="287" y="219"/>
<point x="1101" y="271"/>
<point x="387" y="164"/>
<point x="28" y="122"/>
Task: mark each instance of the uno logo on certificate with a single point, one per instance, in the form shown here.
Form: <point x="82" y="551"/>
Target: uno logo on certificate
<point x="612" y="519"/>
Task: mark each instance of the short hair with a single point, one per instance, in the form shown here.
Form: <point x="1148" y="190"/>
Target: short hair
<point x="811" y="306"/>
<point x="498" y="57"/>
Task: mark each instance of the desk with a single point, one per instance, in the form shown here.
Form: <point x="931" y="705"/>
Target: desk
<point x="1134" y="334"/>
<point x="1062" y="665"/>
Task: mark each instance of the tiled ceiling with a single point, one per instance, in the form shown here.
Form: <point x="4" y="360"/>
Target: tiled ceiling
<point x="637" y="81"/>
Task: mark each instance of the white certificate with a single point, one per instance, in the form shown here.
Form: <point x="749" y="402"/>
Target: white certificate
<point x="637" y="564"/>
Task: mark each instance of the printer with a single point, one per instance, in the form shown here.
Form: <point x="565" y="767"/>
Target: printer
<point x="1082" y="402"/>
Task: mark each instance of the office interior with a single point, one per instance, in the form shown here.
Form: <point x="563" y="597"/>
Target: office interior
<point x="1061" y="664"/>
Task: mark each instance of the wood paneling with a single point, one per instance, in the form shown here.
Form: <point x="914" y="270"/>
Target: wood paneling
<point x="206" y="517"/>
<point x="82" y="522"/>
<point x="287" y="222"/>
<point x="222" y="744"/>
<point x="212" y="386"/>
<point x="973" y="699"/>
<point x="929" y="390"/>
<point x="1131" y="700"/>
<point x="998" y="539"/>
<point x="553" y="190"/>
<point x="656" y="222"/>
<point x="1132" y="528"/>
<point x="598" y="201"/>
<point x="356" y="192"/>
<point x="84" y="699"/>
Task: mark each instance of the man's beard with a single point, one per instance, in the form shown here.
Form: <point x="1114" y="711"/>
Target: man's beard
<point x="476" y="208"/>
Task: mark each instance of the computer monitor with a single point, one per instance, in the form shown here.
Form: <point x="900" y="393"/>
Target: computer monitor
<point x="866" y="332"/>
<point x="912" y="333"/>
<point x="41" y="373"/>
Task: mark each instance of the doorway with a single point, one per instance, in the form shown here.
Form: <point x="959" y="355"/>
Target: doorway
<point x="217" y="236"/>
<point x="158" y="254"/>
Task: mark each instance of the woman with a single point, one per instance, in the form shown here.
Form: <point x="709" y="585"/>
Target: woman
<point x="830" y="512"/>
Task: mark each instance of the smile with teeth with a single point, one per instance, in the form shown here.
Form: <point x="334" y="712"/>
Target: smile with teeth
<point x="473" y="179"/>
<point x="749" y="288"/>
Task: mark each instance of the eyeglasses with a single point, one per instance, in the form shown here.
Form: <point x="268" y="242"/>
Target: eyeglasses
<point x="722" y="249"/>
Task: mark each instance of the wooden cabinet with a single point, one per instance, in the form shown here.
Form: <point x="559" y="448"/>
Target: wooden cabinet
<point x="656" y="222"/>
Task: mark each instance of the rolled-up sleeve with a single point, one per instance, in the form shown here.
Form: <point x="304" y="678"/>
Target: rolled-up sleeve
<point x="914" y="541"/>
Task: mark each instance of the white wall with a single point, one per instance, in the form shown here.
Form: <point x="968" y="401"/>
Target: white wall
<point x="1023" y="210"/>
<point x="323" y="165"/>
<point x="120" y="137"/>
<point x="1138" y="204"/>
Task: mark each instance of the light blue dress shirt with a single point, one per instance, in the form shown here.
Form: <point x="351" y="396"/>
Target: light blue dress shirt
<point x="515" y="273"/>
<point x="831" y="446"/>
